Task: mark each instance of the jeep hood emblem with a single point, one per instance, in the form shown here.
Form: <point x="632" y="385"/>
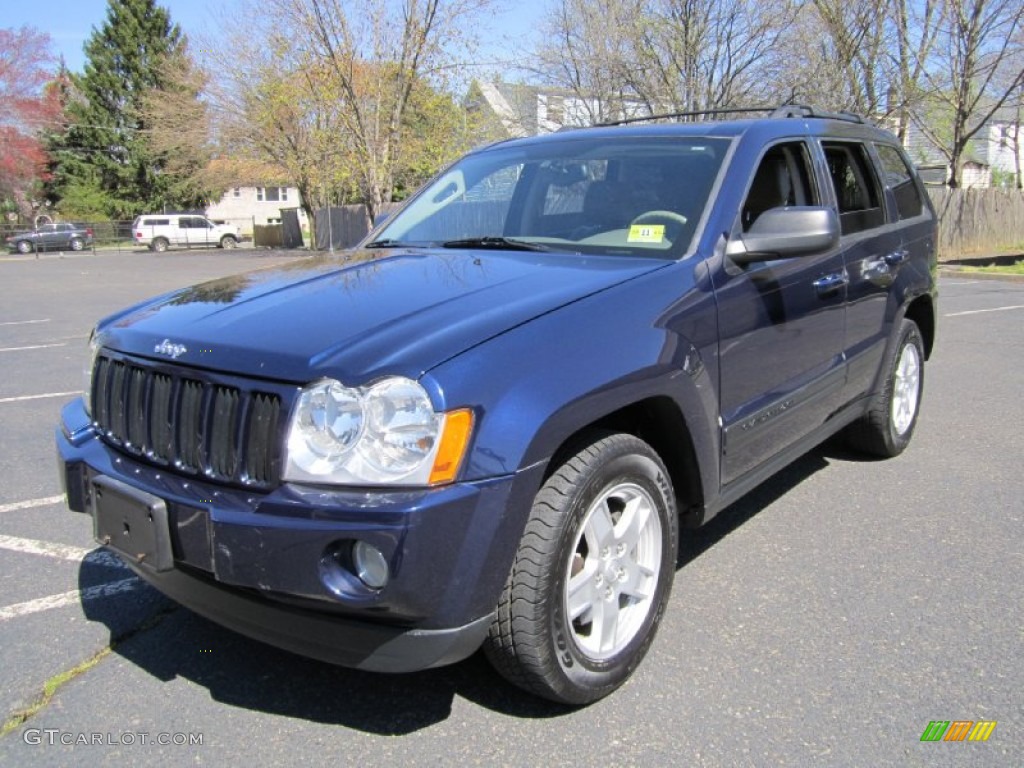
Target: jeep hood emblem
<point x="167" y="347"/>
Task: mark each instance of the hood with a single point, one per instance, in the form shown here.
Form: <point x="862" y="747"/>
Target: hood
<point x="402" y="314"/>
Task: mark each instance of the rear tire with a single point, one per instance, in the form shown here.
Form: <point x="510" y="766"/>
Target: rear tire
<point x="885" y="430"/>
<point x="159" y="244"/>
<point x="593" y="573"/>
<point x="24" y="246"/>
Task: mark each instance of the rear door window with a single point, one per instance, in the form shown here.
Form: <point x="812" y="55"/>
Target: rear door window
<point x="856" y="186"/>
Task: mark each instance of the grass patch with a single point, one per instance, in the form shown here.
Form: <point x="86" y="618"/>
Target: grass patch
<point x="999" y="269"/>
<point x="50" y="688"/>
<point x="55" y="683"/>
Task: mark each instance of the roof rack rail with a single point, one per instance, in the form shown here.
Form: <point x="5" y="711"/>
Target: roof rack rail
<point x="805" y="110"/>
<point x="676" y="115"/>
<point x="786" y="110"/>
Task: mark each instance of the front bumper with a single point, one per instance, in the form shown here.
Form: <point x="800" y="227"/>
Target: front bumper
<point x="274" y="566"/>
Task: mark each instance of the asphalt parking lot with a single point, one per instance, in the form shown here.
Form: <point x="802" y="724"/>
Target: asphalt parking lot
<point x="825" y="619"/>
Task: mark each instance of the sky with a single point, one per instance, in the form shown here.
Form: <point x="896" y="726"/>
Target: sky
<point x="70" y="22"/>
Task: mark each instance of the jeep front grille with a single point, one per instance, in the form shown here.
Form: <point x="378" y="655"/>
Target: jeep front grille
<point x="179" y="420"/>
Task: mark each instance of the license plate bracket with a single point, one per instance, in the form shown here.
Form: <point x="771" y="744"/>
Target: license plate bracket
<point x="132" y="522"/>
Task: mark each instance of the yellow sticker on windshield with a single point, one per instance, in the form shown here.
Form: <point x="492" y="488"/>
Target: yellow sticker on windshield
<point x="646" y="233"/>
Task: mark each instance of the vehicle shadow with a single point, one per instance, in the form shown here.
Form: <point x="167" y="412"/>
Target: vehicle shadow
<point x="694" y="542"/>
<point x="171" y="642"/>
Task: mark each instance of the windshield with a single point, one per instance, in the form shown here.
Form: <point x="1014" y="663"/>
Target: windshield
<point x="624" y="196"/>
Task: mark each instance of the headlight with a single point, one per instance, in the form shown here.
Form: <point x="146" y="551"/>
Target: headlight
<point x="385" y="434"/>
<point x="94" y="350"/>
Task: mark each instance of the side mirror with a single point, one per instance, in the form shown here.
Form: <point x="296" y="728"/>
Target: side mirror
<point x="779" y="233"/>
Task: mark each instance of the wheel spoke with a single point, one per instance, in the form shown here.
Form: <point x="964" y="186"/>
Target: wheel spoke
<point x="632" y="522"/>
<point x="600" y="528"/>
<point x="582" y="592"/>
<point x="605" y="624"/>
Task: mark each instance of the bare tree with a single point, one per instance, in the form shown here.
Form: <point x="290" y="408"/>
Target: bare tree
<point x="374" y="55"/>
<point x="668" y="55"/>
<point x="977" y="67"/>
<point x="858" y="43"/>
<point x="346" y="98"/>
<point x="177" y="127"/>
<point x="587" y="49"/>
<point x="917" y="25"/>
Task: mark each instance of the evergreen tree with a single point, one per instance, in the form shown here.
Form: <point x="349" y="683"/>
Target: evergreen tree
<point x="103" y="161"/>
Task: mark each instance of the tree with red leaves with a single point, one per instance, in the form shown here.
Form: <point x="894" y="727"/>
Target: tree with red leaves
<point x="27" y="107"/>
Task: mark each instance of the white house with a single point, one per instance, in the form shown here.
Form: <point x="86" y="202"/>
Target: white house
<point x="527" y="110"/>
<point x="993" y="157"/>
<point x="247" y="206"/>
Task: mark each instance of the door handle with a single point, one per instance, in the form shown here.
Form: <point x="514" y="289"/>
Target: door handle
<point x="896" y="257"/>
<point x="829" y="284"/>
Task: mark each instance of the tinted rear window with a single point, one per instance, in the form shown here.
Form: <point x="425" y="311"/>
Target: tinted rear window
<point x="900" y="179"/>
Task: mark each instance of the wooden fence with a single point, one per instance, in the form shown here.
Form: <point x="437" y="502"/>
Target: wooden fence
<point x="979" y="221"/>
<point x="345" y="226"/>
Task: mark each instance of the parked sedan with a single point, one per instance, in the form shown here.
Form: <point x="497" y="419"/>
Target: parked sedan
<point x="62" y="236"/>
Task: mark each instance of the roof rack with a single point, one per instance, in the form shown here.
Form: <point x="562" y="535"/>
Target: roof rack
<point x="805" y="110"/>
<point x="784" y="111"/>
<point x="676" y="115"/>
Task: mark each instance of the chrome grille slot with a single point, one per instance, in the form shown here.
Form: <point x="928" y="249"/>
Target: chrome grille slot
<point x="223" y="429"/>
<point x="190" y="416"/>
<point x="161" y="432"/>
<point x="136" y="411"/>
<point x="261" y="439"/>
<point x="179" y="419"/>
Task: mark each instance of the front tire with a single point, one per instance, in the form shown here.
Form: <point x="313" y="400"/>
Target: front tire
<point x="885" y="430"/>
<point x="77" y="244"/>
<point x="228" y="242"/>
<point x="593" y="573"/>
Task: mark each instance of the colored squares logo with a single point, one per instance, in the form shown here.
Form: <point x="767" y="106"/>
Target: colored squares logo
<point x="958" y="730"/>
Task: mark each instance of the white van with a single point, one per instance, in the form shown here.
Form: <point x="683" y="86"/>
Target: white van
<point x="159" y="231"/>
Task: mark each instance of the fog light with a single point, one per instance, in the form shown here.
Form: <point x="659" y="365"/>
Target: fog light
<point x="370" y="565"/>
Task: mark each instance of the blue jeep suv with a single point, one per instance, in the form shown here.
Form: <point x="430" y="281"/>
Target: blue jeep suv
<point x="486" y="425"/>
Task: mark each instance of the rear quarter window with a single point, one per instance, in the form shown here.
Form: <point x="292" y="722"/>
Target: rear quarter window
<point x="900" y="179"/>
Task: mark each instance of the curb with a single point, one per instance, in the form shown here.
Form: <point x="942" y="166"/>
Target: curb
<point x="967" y="273"/>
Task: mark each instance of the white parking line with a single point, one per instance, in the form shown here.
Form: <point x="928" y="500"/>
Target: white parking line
<point x="73" y="597"/>
<point x="31" y="503"/>
<point x="980" y="311"/>
<point x="47" y="548"/>
<point x="26" y="322"/>
<point x="34" y="346"/>
<point x="22" y="398"/>
<point x="73" y="554"/>
<point x="102" y="557"/>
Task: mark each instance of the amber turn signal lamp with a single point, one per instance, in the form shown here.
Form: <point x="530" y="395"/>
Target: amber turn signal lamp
<point x="458" y="427"/>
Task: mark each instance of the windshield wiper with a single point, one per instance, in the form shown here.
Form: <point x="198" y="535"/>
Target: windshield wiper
<point x="502" y="243"/>
<point x="387" y="242"/>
